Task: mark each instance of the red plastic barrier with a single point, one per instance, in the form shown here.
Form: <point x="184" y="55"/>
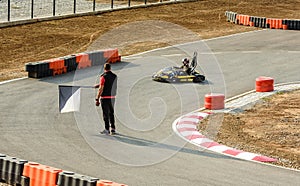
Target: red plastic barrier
<point x="112" y="55"/>
<point x="58" y="66"/>
<point x="83" y="60"/>
<point x="264" y="84"/>
<point x="41" y="175"/>
<point x="214" y="101"/>
<point x="108" y="183"/>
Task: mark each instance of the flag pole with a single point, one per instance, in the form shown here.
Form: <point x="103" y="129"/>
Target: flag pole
<point x="86" y="86"/>
<point x="76" y="86"/>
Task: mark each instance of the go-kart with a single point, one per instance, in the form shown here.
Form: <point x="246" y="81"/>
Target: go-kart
<point x="177" y="74"/>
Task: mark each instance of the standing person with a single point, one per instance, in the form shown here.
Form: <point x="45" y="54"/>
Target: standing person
<point x="106" y="96"/>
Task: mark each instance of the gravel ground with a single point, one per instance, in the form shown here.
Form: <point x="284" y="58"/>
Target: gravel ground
<point x="271" y="127"/>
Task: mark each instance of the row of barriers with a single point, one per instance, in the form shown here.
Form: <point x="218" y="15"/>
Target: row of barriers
<point x="61" y="65"/>
<point x="16" y="171"/>
<point x="216" y="101"/>
<point x="262" y="22"/>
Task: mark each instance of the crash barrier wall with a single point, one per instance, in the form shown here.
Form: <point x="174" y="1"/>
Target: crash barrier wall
<point x="61" y="65"/>
<point x="214" y="101"/>
<point x="11" y="169"/>
<point x="262" y="22"/>
<point x="40" y="174"/>
<point x="15" y="171"/>
<point x="264" y="84"/>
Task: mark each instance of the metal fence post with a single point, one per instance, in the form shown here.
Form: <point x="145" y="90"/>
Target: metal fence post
<point x="53" y="7"/>
<point x="32" y="2"/>
<point x="74" y="11"/>
<point x="94" y="5"/>
<point x="8" y="10"/>
<point x="112" y="4"/>
<point x="128" y="3"/>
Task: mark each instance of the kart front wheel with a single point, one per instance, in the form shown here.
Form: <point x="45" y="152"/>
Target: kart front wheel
<point x="173" y="80"/>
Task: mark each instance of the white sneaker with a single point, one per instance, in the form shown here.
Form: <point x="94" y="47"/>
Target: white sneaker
<point x="105" y="132"/>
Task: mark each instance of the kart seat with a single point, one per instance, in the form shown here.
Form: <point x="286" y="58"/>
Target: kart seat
<point x="188" y="71"/>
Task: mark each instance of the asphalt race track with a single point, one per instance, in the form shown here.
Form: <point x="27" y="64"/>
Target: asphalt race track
<point x="147" y="152"/>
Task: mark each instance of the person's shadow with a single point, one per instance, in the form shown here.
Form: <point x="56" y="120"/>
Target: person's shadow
<point x="143" y="142"/>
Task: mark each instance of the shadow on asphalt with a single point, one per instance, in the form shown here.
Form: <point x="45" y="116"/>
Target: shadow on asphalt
<point x="143" y="142"/>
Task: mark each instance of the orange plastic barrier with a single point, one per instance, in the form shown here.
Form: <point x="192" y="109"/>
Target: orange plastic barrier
<point x="214" y="101"/>
<point x="264" y="84"/>
<point x="83" y="60"/>
<point x="243" y="19"/>
<point x="246" y="20"/>
<point x="112" y="55"/>
<point x="274" y="23"/>
<point x="58" y="66"/>
<point x="41" y="175"/>
<point x="238" y="19"/>
<point x="108" y="183"/>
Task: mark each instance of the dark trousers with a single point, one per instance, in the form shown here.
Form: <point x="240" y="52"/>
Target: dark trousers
<point x="108" y="113"/>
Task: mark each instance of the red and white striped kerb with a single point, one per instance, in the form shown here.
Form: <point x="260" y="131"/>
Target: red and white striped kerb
<point x="186" y="126"/>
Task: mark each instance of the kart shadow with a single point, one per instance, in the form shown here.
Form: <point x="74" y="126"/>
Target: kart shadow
<point x="205" y="82"/>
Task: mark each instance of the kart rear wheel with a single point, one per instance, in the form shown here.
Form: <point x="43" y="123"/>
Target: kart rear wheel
<point x="199" y="79"/>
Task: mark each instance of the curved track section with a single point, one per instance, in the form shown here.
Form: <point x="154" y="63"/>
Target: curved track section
<point x="186" y="125"/>
<point x="32" y="129"/>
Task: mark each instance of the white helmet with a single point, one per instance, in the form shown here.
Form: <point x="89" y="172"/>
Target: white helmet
<point x="185" y="60"/>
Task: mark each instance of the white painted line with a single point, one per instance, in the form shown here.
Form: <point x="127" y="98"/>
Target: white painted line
<point x="294" y="52"/>
<point x="12" y="80"/>
<point x="230" y="52"/>
<point x="182" y="126"/>
<point x="171" y="55"/>
<point x="232" y="35"/>
<point x="251" y="52"/>
<point x="222" y="37"/>
<point x="132" y="57"/>
<point x="210" y="53"/>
